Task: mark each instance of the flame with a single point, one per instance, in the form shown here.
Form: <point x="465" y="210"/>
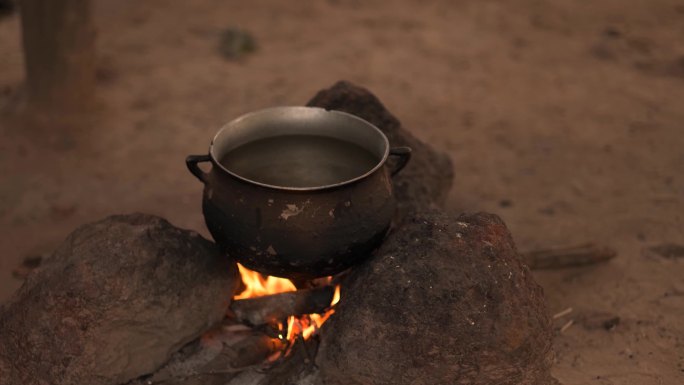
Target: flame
<point x="257" y="285"/>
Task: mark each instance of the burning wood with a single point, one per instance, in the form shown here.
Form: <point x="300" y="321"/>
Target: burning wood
<point x="273" y="300"/>
<point x="277" y="307"/>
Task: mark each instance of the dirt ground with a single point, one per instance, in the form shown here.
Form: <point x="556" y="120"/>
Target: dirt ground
<point x="565" y="118"/>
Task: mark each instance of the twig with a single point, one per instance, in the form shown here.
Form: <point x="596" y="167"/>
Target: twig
<point x="566" y="326"/>
<point x="562" y="313"/>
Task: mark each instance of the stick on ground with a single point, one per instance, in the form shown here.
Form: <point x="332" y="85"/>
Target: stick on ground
<point x="560" y="258"/>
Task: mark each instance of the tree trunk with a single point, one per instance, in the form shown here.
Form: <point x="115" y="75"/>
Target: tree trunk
<point x="59" y="53"/>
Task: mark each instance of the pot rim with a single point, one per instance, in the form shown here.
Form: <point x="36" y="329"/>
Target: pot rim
<point x="347" y="115"/>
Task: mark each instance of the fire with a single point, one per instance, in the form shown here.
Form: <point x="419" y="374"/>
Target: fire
<point x="257" y="285"/>
<point x="309" y="324"/>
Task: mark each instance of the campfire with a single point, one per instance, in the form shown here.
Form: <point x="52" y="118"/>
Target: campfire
<point x="275" y="303"/>
<point x="270" y="321"/>
<point x="133" y="300"/>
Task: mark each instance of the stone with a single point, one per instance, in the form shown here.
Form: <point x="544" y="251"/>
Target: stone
<point x="446" y="300"/>
<point x="114" y="302"/>
<point x="427" y="179"/>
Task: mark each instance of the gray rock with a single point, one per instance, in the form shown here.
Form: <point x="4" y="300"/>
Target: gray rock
<point x="445" y="301"/>
<point x="115" y="300"/>
<point x="427" y="179"/>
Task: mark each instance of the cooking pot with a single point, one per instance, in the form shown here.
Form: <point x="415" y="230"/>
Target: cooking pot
<point x="298" y="230"/>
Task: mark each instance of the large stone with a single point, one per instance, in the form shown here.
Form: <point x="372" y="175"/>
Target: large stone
<point x="446" y="300"/>
<point x="427" y="179"/>
<point x="116" y="299"/>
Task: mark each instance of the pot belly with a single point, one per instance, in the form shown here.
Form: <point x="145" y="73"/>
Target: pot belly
<point x="299" y="235"/>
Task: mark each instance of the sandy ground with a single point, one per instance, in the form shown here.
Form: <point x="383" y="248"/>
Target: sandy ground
<point x="565" y="118"/>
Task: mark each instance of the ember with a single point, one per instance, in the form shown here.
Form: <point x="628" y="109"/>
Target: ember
<point x="293" y="326"/>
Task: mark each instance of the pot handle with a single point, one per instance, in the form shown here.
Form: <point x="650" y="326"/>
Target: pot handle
<point x="192" y="160"/>
<point x="404" y="154"/>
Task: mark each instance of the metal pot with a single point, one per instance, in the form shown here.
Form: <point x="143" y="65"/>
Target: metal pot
<point x="298" y="232"/>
